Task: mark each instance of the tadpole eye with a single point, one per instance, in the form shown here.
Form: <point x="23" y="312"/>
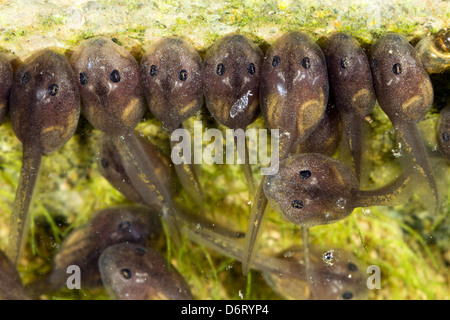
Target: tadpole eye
<point x="305" y="174"/>
<point x="347" y="295"/>
<point x="139" y="251"/>
<point x="53" y="89"/>
<point x="124" y="226"/>
<point x="83" y="78"/>
<point x="115" y="76"/>
<point x="153" y="70"/>
<point x="306" y="63"/>
<point x="297" y="204"/>
<point x="251" y="68"/>
<point x="397" y="68"/>
<point x="183" y="75"/>
<point x="104" y="163"/>
<point x="126" y="273"/>
<point x="345" y="62"/>
<point x="445" y="137"/>
<point x="26" y="77"/>
<point x="276" y="61"/>
<point x="220" y="69"/>
<point x="352" y="267"/>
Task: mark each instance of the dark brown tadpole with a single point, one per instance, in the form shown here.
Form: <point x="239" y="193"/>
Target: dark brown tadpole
<point x="313" y="189"/>
<point x="293" y="97"/>
<point x="6" y="79"/>
<point x="171" y="74"/>
<point x="112" y="101"/>
<point x="443" y="132"/>
<point x="336" y="273"/>
<point x="352" y="85"/>
<point x="11" y="287"/>
<point x="434" y="52"/>
<point x="135" y="272"/>
<point x="83" y="246"/>
<point x="231" y="86"/>
<point x="405" y="94"/>
<point x="44" y="108"/>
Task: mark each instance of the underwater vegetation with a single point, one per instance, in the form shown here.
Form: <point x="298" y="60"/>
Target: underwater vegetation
<point x="337" y="164"/>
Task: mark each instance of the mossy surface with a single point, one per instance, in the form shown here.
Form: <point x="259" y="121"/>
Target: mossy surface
<point x="408" y="243"/>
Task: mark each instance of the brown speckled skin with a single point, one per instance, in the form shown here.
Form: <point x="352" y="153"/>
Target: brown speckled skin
<point x="329" y="182"/>
<point x="405" y="97"/>
<point x="112" y="107"/>
<point x="443" y="132"/>
<point x="6" y="79"/>
<point x="42" y="121"/>
<point x="327" y="188"/>
<point x="169" y="98"/>
<point x="148" y="276"/>
<point x="341" y="49"/>
<point x="83" y="246"/>
<point x="236" y="53"/>
<point x="293" y="98"/>
<point x="352" y="85"/>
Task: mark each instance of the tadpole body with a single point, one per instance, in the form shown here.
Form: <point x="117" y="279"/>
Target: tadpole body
<point x="313" y="189"/>
<point x="171" y="75"/>
<point x="44" y="110"/>
<point x="352" y="85"/>
<point x="293" y="96"/>
<point x="405" y="94"/>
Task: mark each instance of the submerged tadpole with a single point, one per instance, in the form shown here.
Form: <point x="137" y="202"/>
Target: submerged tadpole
<point x="404" y="92"/>
<point x="171" y="74"/>
<point x="231" y="81"/>
<point x="45" y="108"/>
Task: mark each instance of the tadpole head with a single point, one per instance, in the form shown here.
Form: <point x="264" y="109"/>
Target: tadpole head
<point x="109" y="84"/>
<point x="312" y="189"/>
<point x="45" y="101"/>
<point x="294" y="85"/>
<point x="231" y="80"/>
<point x="171" y="73"/>
<point x="402" y="85"/>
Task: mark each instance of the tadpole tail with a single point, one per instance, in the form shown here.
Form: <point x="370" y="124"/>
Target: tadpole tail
<point x="354" y="133"/>
<point x="307" y="259"/>
<point x="187" y="175"/>
<point x="234" y="249"/>
<point x="389" y="195"/>
<point x="142" y="175"/>
<point x="19" y="218"/>
<point x="414" y="156"/>
<point x="254" y="223"/>
<point x="258" y="209"/>
<point x="247" y="168"/>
